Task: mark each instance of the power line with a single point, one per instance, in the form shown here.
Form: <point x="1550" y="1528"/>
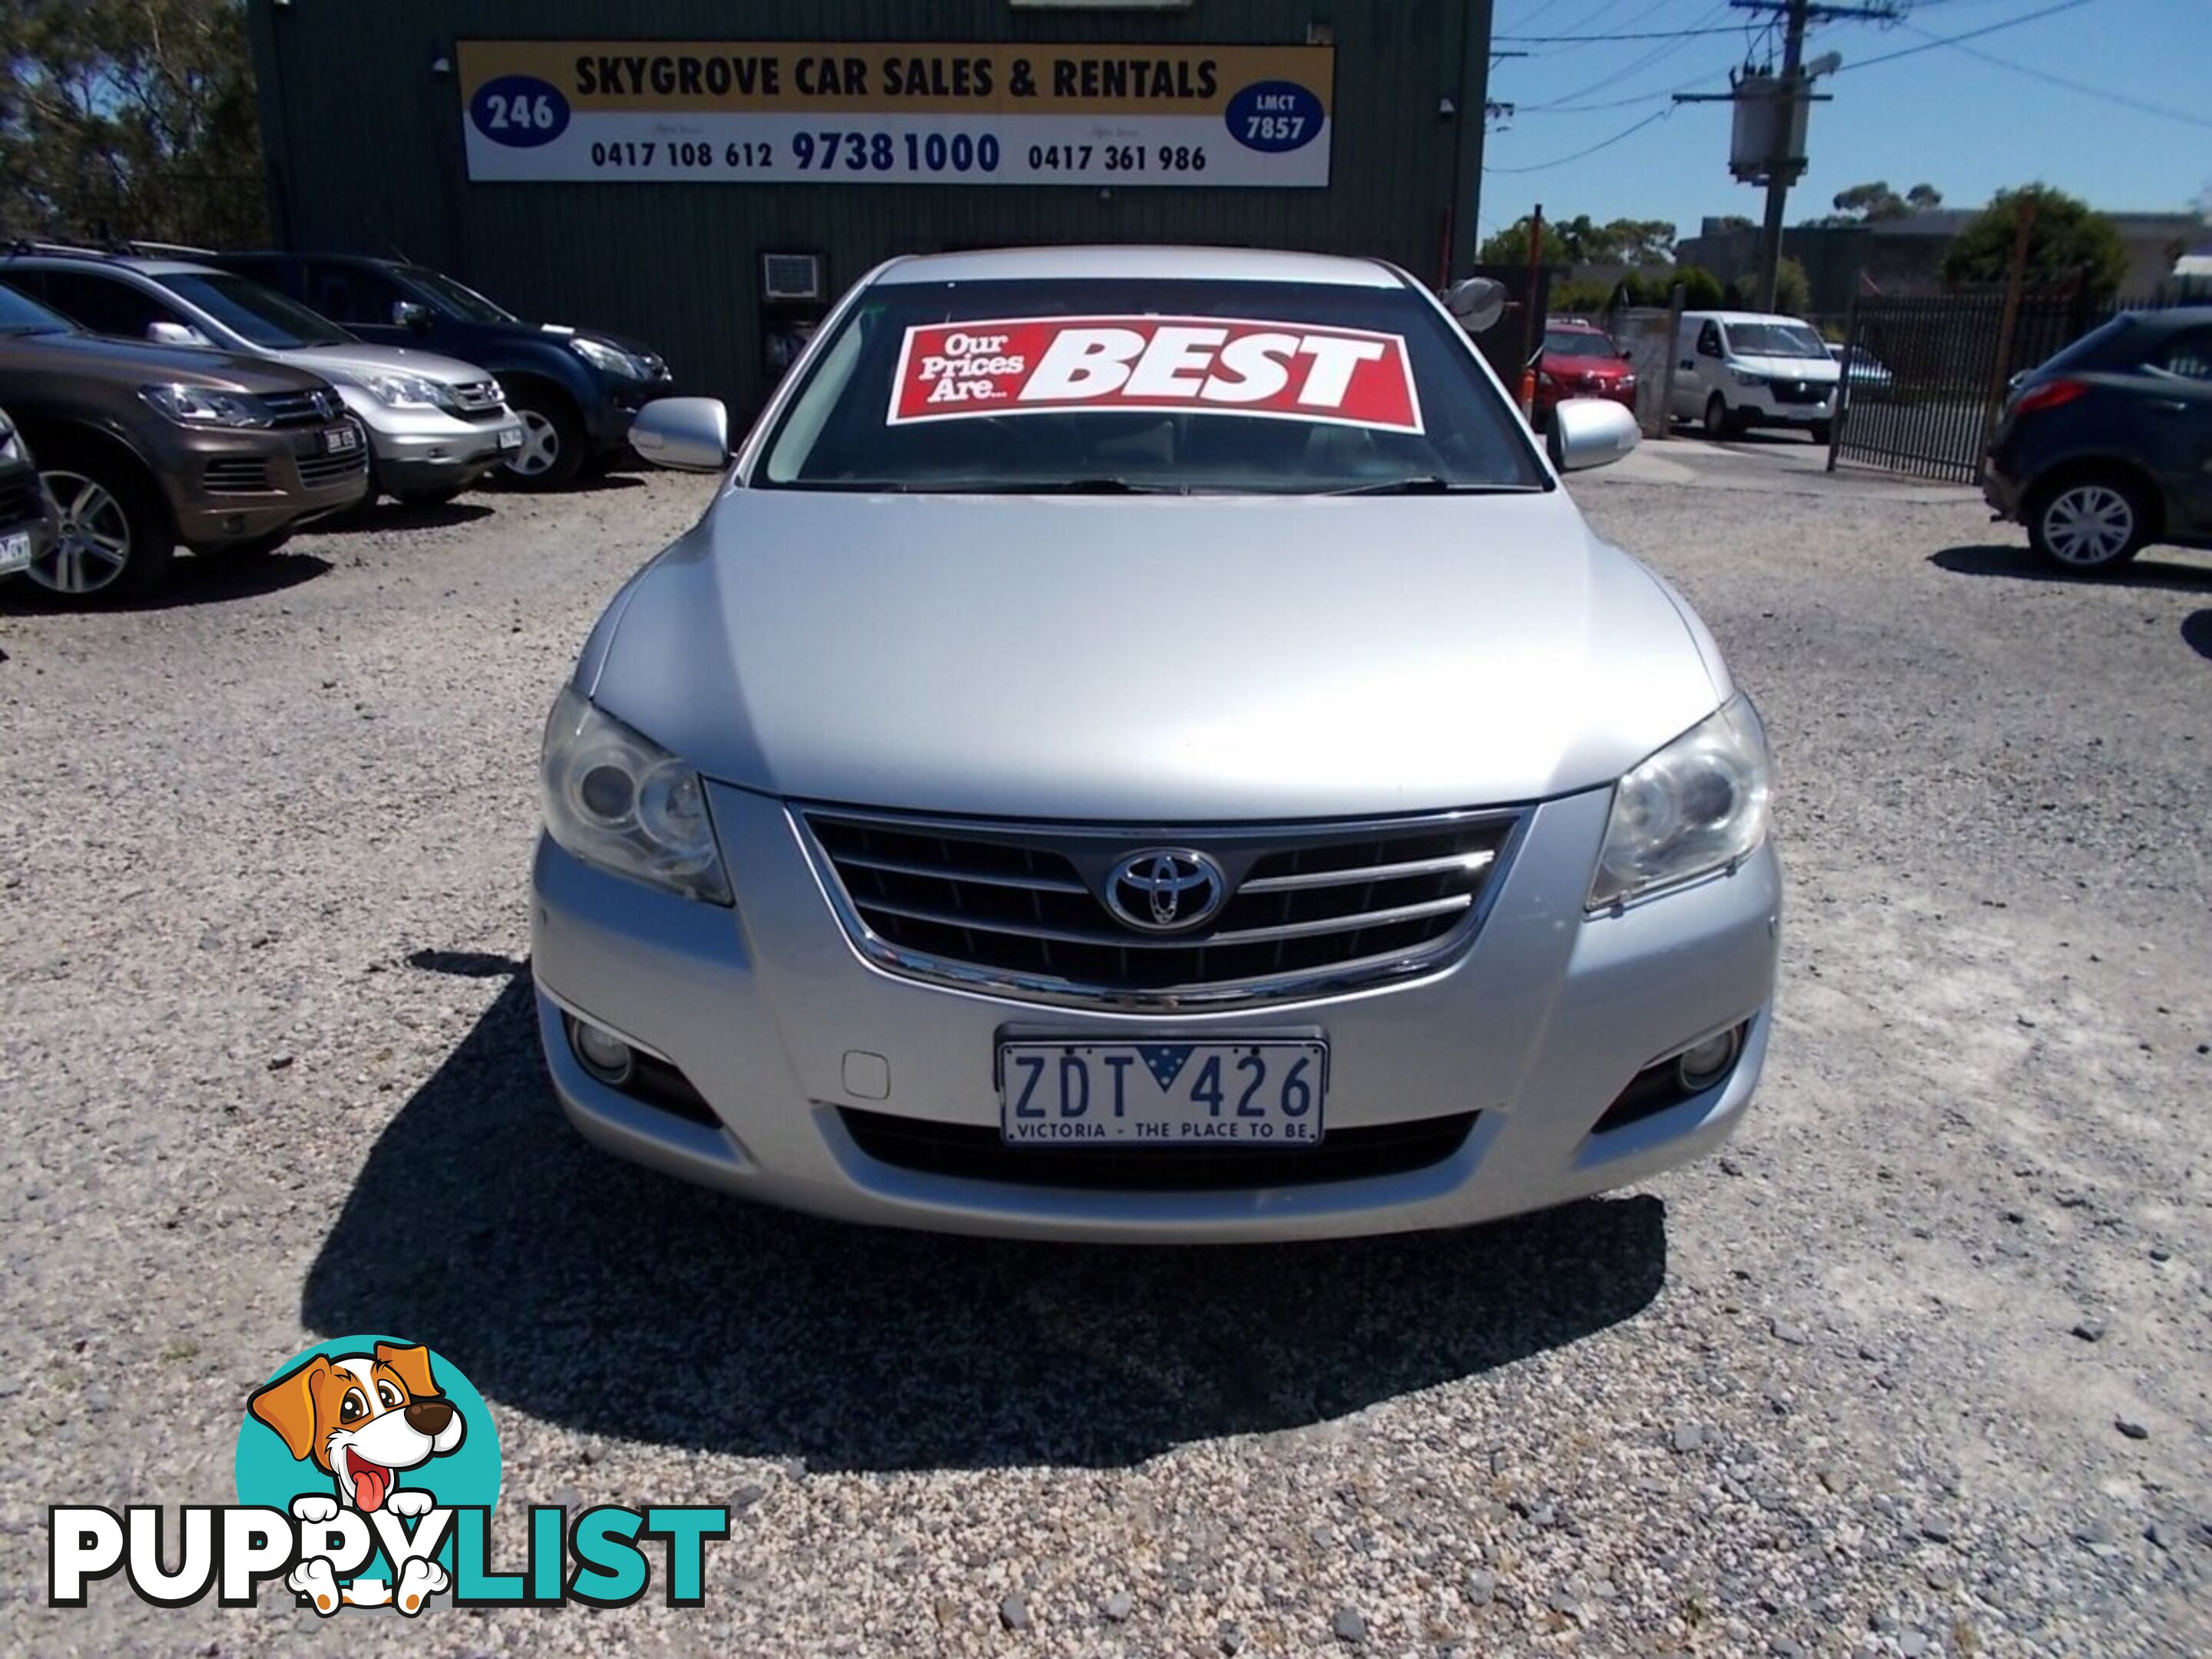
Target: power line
<point x="1934" y="40"/>
<point x="1587" y="40"/>
<point x="1664" y="49"/>
<point x="1602" y="144"/>
<point x="2126" y="100"/>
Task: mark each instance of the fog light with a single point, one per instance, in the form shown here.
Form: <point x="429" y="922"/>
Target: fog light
<point x="604" y="1054"/>
<point x="1707" y="1063"/>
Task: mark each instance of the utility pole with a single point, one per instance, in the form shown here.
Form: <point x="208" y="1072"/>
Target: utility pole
<point x="1782" y="167"/>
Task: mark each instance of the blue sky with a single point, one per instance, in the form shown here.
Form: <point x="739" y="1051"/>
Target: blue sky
<point x="1943" y="116"/>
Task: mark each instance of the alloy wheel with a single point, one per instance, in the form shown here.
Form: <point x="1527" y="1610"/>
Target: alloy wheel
<point x="2089" y="524"/>
<point x="93" y="546"/>
<point x="541" y="446"/>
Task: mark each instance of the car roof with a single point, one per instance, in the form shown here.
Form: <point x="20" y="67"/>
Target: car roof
<point x="1214" y="264"/>
<point x="144" y="266"/>
<point x="1744" y="317"/>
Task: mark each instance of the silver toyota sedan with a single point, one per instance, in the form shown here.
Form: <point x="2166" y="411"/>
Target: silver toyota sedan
<point x="1141" y="747"/>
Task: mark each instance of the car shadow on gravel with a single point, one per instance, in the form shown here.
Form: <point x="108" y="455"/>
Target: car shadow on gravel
<point x="201" y="578"/>
<point x="2145" y="569"/>
<point x="2197" y="632"/>
<point x="617" y="1302"/>
<point x="402" y="515"/>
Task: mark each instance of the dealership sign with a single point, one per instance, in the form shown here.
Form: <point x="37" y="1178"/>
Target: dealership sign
<point x="853" y="112"/>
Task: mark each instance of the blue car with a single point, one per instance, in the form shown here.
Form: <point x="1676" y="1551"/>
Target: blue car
<point x="577" y="389"/>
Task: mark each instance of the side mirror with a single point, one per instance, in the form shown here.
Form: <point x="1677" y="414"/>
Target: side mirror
<point x="1477" y="301"/>
<point x="409" y="313"/>
<point x="1588" y="432"/>
<point x="685" y="435"/>
<point x="178" y="334"/>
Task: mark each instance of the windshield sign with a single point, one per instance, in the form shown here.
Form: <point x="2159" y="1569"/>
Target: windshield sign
<point x="1177" y="385"/>
<point x="1035" y="366"/>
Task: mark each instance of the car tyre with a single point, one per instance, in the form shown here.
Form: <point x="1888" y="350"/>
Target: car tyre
<point x="1823" y="431"/>
<point x="1719" y="424"/>
<point x="552" y="452"/>
<point x="115" y="543"/>
<point x="2089" y="521"/>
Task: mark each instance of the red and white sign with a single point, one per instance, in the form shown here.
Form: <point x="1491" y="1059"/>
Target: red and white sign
<point x="1205" y="365"/>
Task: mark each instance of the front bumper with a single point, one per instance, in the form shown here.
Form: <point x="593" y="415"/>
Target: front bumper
<point x="1537" y="1028"/>
<point x="1759" y="405"/>
<point x="295" y="482"/>
<point x="419" y="449"/>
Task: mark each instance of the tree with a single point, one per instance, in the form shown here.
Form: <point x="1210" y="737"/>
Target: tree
<point x="1793" y="288"/>
<point x="129" y="119"/>
<point x="1730" y="221"/>
<point x="1873" y="203"/>
<point x="2067" y="239"/>
<point x="1578" y="241"/>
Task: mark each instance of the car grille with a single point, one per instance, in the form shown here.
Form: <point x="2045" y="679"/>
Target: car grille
<point x="1798" y="392"/>
<point x="974" y="1152"/>
<point x="478" y="400"/>
<point x="245" y="476"/>
<point x="303" y="408"/>
<point x="1017" y="908"/>
<point x="316" y="471"/>
<point x="21" y="499"/>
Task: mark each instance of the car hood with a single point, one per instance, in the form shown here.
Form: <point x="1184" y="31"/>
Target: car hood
<point x="109" y="358"/>
<point x="366" y="359"/>
<point x="1812" y="370"/>
<point x="1152" y="660"/>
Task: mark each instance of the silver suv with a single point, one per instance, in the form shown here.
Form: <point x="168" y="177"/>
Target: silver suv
<point x="435" y="425"/>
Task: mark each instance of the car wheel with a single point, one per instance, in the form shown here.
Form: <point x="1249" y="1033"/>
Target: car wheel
<point x="114" y="543"/>
<point x="1822" y="432"/>
<point x="1718" y="424"/>
<point x="552" y="450"/>
<point x="2088" y="523"/>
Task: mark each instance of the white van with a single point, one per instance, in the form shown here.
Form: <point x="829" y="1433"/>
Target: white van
<point x="1737" y="369"/>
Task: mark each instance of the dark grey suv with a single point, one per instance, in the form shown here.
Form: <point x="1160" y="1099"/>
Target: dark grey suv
<point x="143" y="447"/>
<point x="2108" y="447"/>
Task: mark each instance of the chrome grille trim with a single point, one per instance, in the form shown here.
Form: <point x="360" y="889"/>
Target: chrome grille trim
<point x="941" y="900"/>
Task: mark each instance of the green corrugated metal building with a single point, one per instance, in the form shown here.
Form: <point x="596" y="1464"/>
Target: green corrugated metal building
<point x="637" y="168"/>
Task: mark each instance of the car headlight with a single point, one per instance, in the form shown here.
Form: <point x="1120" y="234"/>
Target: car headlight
<point x="1626" y="383"/>
<point x="621" y="801"/>
<point x="1698" y="806"/>
<point x="1745" y="377"/>
<point x="609" y="360"/>
<point x="192" y="405"/>
<point x="11" y="446"/>
<point x="396" y="391"/>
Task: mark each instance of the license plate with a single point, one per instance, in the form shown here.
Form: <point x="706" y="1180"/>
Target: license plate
<point x="1162" y="1094"/>
<point x="340" y="438"/>
<point x="511" y="439"/>
<point x="15" y="553"/>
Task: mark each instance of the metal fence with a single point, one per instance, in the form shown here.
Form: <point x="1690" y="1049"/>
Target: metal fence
<point x="1925" y="377"/>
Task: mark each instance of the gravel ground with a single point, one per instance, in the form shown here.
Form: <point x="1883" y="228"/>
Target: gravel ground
<point x="1920" y="1366"/>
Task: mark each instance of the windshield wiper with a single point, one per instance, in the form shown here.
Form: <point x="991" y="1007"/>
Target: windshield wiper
<point x="1430" y="484"/>
<point x="1095" y="486"/>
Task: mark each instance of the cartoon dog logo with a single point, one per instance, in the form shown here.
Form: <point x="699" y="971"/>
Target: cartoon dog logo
<point x="363" y="1420"/>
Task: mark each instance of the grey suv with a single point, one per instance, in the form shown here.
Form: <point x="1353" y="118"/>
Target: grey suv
<point x="141" y="447"/>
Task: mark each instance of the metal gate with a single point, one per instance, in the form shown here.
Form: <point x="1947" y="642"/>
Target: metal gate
<point x="1925" y="378"/>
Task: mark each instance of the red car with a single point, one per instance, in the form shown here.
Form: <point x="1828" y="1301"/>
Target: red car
<point x="1579" y="359"/>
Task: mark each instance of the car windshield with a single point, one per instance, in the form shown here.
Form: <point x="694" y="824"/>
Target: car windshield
<point x="1578" y="343"/>
<point x="1775" y="340"/>
<point x="463" y="301"/>
<point x="1104" y="385"/>
<point x="20" y="316"/>
<point x="256" y="313"/>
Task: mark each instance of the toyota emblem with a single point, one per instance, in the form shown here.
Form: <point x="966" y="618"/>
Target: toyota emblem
<point x="1166" y="889"/>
